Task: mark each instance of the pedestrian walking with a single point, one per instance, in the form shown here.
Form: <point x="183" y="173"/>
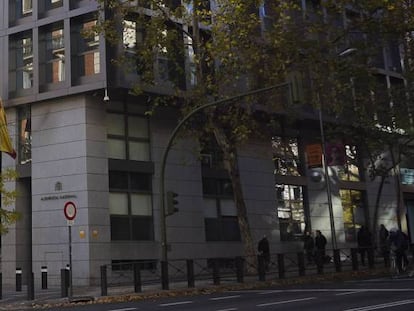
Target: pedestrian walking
<point x="320" y="245"/>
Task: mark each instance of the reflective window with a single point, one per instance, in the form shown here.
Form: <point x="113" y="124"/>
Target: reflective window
<point x="290" y="211"/>
<point x="21" y="63"/>
<point x="130" y="206"/>
<point x="52" y="60"/>
<point x="353" y="212"/>
<point x="286" y="156"/>
<point x="128" y="136"/>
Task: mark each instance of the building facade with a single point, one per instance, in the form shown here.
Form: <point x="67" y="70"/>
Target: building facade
<point x="103" y="154"/>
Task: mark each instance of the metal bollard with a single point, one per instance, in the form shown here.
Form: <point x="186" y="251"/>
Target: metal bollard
<point x="216" y="271"/>
<point x="240" y="269"/>
<point x="371" y="259"/>
<point x="190" y="273"/>
<point x="43" y="270"/>
<point x="137" y="278"/>
<point x="337" y="260"/>
<point x="104" y="281"/>
<point x="301" y="263"/>
<point x="64" y="280"/>
<point x="354" y="258"/>
<point x="18" y="279"/>
<point x="30" y="286"/>
<point x="1" y="286"/>
<point x="164" y="275"/>
<point x="281" y="265"/>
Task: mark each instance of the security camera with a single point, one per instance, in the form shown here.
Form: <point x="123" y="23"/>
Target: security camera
<point x="106" y="97"/>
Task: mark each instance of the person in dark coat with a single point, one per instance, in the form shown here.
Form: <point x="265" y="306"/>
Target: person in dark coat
<point x="309" y="246"/>
<point x="320" y="245"/>
<point x="399" y="243"/>
<point x="264" y="251"/>
<point x="364" y="242"/>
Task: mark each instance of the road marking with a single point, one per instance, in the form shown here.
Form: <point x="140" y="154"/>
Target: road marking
<point x="337" y="290"/>
<point x="225" y="297"/>
<point x="175" y="303"/>
<point x="284" y="301"/>
<point x="231" y="309"/>
<point x="382" y="306"/>
<point x="125" y="309"/>
<point x="348" y="293"/>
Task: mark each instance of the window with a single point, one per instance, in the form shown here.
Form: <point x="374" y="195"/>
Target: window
<point x="85" y="53"/>
<point x="52" y="60"/>
<point x="290" y="211"/>
<point x="130" y="206"/>
<point x="51" y="4"/>
<point x="211" y="156"/>
<point x="286" y="156"/>
<point x="128" y="136"/>
<point x="25" y="134"/>
<point x="353" y="213"/>
<point x="27" y="7"/>
<point x="220" y="213"/>
<point x="21" y="63"/>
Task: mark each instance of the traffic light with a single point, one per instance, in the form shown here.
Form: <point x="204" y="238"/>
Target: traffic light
<point x="171" y="203"/>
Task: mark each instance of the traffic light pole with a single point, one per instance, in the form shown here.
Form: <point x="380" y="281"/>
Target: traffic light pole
<point x="163" y="214"/>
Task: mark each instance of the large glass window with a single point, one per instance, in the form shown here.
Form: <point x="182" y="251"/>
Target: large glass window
<point x="220" y="213"/>
<point x="130" y="206"/>
<point x="86" y="59"/>
<point x="21" y="62"/>
<point x="128" y="136"/>
<point x="290" y="211"/>
<point x="353" y="212"/>
<point x="52" y="60"/>
<point x="286" y="156"/>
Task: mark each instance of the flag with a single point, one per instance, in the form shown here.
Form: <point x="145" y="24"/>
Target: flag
<point x="5" y="142"/>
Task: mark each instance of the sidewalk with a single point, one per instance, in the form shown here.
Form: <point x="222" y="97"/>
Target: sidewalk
<point x="13" y="300"/>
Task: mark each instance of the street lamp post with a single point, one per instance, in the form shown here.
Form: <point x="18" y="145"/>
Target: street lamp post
<point x="163" y="214"/>
<point x="327" y="181"/>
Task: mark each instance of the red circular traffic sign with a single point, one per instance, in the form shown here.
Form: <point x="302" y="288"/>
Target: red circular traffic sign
<point x="70" y="210"/>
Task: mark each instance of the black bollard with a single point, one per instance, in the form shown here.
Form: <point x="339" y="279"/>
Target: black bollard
<point x="371" y="258"/>
<point x="216" y="271"/>
<point x="44" y="277"/>
<point x="354" y="258"/>
<point x="30" y="286"/>
<point x="337" y="260"/>
<point x="18" y="279"/>
<point x="1" y="286"/>
<point x="240" y="269"/>
<point x="64" y="276"/>
<point x="281" y="265"/>
<point x="137" y="278"/>
<point x="301" y="263"/>
<point x="190" y="273"/>
<point x="164" y="275"/>
<point x="104" y="281"/>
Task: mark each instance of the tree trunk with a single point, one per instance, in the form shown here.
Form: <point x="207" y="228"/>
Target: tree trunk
<point x="231" y="165"/>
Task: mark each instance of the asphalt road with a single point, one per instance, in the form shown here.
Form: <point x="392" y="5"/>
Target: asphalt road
<point x="365" y="295"/>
